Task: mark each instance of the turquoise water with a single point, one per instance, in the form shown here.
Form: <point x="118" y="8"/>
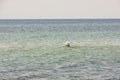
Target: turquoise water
<point x="34" y="50"/>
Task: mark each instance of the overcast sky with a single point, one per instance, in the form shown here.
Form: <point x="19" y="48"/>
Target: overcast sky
<point x="40" y="9"/>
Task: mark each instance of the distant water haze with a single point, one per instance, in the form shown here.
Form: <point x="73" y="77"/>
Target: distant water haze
<point x="60" y="25"/>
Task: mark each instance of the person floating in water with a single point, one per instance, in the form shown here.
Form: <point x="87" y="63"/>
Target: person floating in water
<point x="67" y="44"/>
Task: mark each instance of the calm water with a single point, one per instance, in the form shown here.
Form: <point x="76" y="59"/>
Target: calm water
<point x="34" y="49"/>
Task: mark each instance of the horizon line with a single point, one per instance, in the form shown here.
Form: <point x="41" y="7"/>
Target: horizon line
<point x="55" y="18"/>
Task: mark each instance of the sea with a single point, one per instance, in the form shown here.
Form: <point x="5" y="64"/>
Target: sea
<point x="34" y="49"/>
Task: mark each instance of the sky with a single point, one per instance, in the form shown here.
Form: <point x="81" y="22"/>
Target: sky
<point x="59" y="9"/>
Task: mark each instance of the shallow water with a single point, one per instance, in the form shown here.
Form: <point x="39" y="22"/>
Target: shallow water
<point x="43" y="56"/>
